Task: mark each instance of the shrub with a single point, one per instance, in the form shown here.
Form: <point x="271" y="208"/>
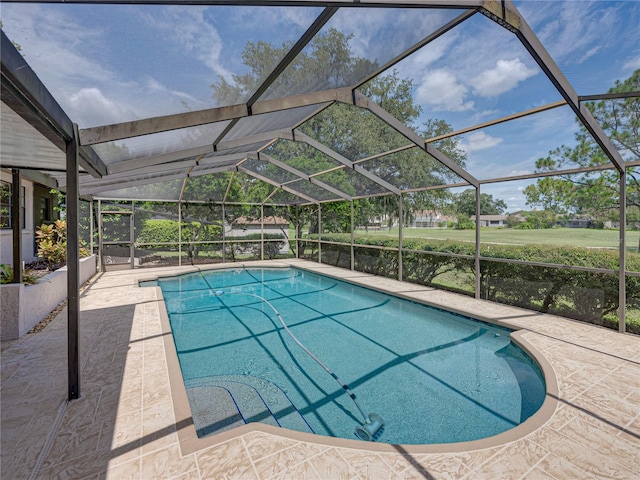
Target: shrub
<point x="52" y="244"/>
<point x="6" y="275"/>
<point x="465" y="223"/>
<point x="583" y="295"/>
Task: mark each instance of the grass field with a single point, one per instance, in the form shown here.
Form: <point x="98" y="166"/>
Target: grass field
<point x="583" y="237"/>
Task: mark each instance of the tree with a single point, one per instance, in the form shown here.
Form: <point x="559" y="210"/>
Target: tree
<point x="355" y="133"/>
<point x="488" y="205"/>
<point x="594" y="193"/>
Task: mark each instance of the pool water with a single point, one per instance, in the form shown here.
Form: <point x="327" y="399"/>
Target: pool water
<point x="433" y="376"/>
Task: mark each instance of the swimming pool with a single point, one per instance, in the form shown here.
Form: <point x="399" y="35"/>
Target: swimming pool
<point x="432" y="376"/>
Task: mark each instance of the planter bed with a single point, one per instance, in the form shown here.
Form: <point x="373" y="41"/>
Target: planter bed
<point x="23" y="306"/>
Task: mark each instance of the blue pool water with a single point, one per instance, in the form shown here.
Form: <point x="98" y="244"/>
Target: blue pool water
<point x="433" y="376"/>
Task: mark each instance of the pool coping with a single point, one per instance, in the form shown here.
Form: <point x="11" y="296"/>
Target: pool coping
<point x="190" y="443"/>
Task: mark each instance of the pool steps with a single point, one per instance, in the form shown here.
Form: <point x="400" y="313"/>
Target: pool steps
<point x="223" y="402"/>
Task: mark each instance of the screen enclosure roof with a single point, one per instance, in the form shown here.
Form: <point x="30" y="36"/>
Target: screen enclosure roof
<point x="296" y="105"/>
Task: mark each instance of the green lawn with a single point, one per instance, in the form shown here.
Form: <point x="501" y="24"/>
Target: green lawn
<point x="584" y="237"/>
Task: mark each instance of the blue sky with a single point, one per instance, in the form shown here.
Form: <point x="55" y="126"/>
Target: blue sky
<point x="109" y="64"/>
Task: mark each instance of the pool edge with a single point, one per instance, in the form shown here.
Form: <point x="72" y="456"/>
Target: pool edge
<point x="190" y="443"/>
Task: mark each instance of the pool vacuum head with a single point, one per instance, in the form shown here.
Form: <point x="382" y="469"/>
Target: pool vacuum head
<point x="367" y="431"/>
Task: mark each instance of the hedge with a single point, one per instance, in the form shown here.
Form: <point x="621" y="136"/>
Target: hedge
<point x="583" y="295"/>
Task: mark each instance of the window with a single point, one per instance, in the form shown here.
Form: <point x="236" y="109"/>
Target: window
<point x="45" y="210"/>
<point x="6" y="198"/>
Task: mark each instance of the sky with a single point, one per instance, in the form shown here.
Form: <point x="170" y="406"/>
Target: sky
<point x="113" y="63"/>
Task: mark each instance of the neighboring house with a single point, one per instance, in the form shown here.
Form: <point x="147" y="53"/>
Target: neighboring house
<point x="36" y="208"/>
<point x="430" y="219"/>
<point x="491" y="220"/>
<point x="242" y="227"/>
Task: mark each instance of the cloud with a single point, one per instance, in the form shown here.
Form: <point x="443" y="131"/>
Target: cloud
<point x="89" y="106"/>
<point x="376" y="35"/>
<point x="503" y="77"/>
<point x="155" y="86"/>
<point x="632" y="64"/>
<point x="574" y="31"/>
<point x="195" y="34"/>
<point x="414" y="65"/>
<point x="479" y="141"/>
<point x="440" y="89"/>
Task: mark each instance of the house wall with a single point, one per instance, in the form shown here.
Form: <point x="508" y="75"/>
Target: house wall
<point x="269" y="229"/>
<point x="35" y="215"/>
<point x="28" y="231"/>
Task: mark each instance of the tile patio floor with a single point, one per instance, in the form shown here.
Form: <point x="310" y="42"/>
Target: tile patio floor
<point x="123" y="426"/>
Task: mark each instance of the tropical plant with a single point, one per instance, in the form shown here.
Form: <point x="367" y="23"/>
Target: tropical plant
<point x="52" y="243"/>
<point x="6" y="275"/>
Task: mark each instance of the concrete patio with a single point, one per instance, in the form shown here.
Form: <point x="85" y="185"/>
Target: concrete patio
<point x="125" y="425"/>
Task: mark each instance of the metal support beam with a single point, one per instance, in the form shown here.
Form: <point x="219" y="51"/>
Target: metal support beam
<point x="400" y="219"/>
<point x="73" y="268"/>
<point x="25" y="93"/>
<point x="251" y="139"/>
<point x="533" y="45"/>
<point x="437" y="4"/>
<point x="622" y="287"/>
<point x="299" y="136"/>
<point x="271" y="182"/>
<point x="297" y="239"/>
<point x="303" y="176"/>
<point x="609" y="96"/>
<point x="352" y="237"/>
<point x="16" y="224"/>
<point x="91" y="229"/>
<point x="136" y="128"/>
<point x="100" y="239"/>
<point x="132" y="239"/>
<point x="364" y="102"/>
<point x="226" y="192"/>
<point x="320" y="233"/>
<point x="261" y="232"/>
<point x="224" y="236"/>
<point x="233" y="113"/>
<point x="477" y="251"/>
<point x="430" y="38"/>
<point x="302" y="42"/>
<point x="498" y="121"/>
<point x="146" y="162"/>
<point x="180" y="232"/>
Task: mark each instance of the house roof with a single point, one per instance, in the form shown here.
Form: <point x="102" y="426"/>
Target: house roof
<point x="267" y="221"/>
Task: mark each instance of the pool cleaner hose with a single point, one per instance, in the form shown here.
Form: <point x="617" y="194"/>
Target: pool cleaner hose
<point x="372" y="422"/>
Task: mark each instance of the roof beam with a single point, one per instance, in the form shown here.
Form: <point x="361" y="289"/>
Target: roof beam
<point x="304" y="176"/>
<point x="126" y="176"/>
<point x="136" y="128"/>
<point x="368" y="104"/>
<point x="282" y="3"/>
<point x="25" y="94"/>
<point x="143" y="181"/>
<point x="302" y="100"/>
<point x="609" y="96"/>
<point x="168" y="159"/>
<point x="336" y="156"/>
<point x="226" y="193"/>
<point x="302" y="42"/>
<point x="428" y="39"/>
<point x="509" y="17"/>
<point x="146" y="126"/>
<point x="275" y="184"/>
<point x="497" y="121"/>
<point x="259" y="137"/>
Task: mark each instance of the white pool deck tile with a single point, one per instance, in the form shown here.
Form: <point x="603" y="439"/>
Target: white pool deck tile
<point x="124" y="425"/>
